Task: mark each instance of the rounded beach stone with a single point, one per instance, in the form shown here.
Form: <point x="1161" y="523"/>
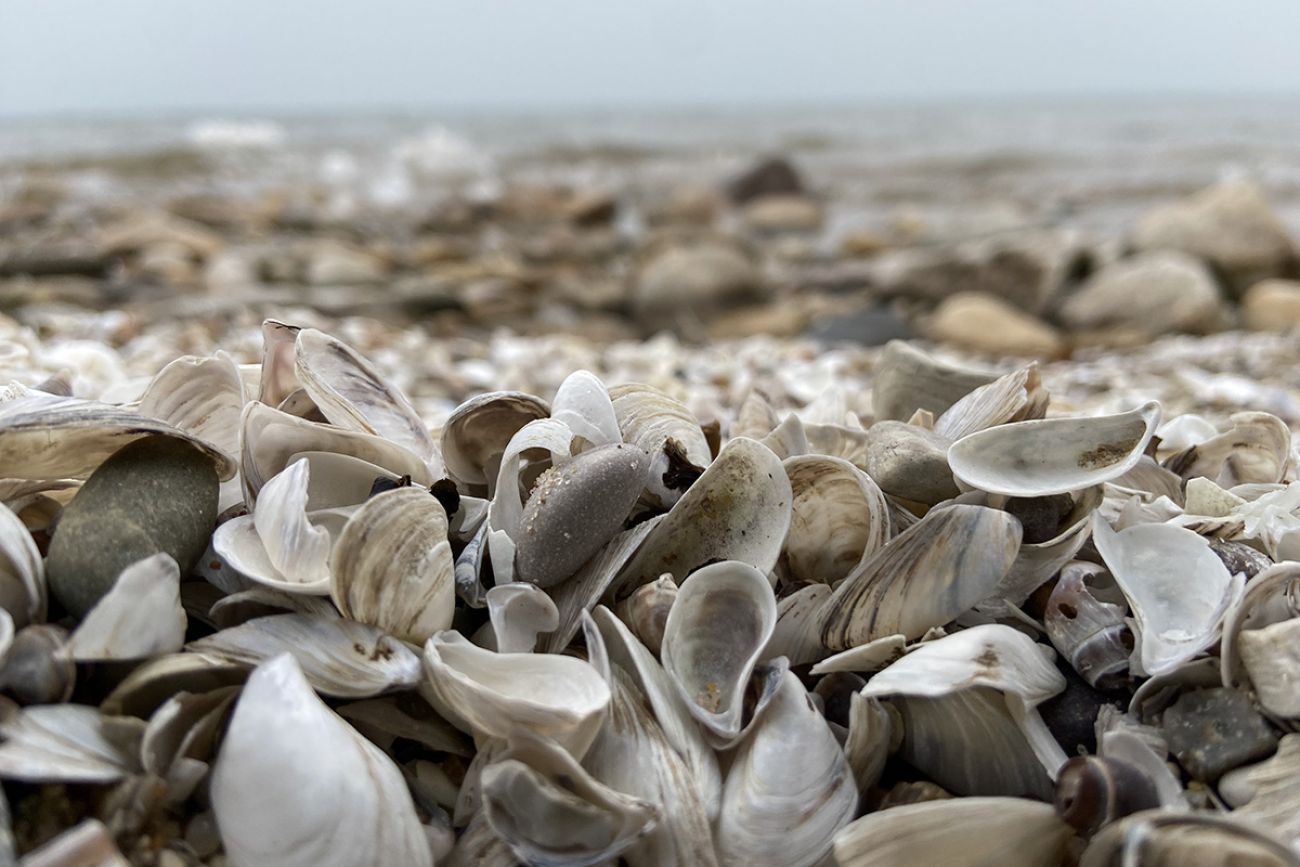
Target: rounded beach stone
<point x="909" y="462"/>
<point x="575" y="509"/>
<point x="156" y="494"/>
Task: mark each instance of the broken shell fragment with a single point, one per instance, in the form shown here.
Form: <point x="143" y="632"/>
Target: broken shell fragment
<point x="716" y="630"/>
<point x="1055" y="455"/>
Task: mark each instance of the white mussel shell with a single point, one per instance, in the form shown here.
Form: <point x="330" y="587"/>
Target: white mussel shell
<point x="352" y="394"/>
<point x="551" y="812"/>
<point x="1053" y="456"/>
<point x="294" y="784"/>
<point x="723" y="618"/>
<point x="788" y="439"/>
<point x="1178" y="589"/>
<point x="180" y="740"/>
<point x="865" y="658"/>
<point x="739" y="509"/>
<point x="957" y="832"/>
<point x="839" y="518"/>
<point x="1255" y="450"/>
<point x="272" y="439"/>
<point x="68" y="743"/>
<point x="519" y="613"/>
<point x="871" y="739"/>
<point x="47" y="437"/>
<point x="968" y="703"/>
<point x="503" y="695"/>
<point x="583" y="404"/>
<point x="278" y="545"/>
<point x="336" y="481"/>
<point x="551" y="441"/>
<point x="477" y="432"/>
<point x="392" y="565"/>
<point x="339" y="657"/>
<point x="22" y="572"/>
<point x="89" y="842"/>
<point x="925" y="577"/>
<point x="139" y="617"/>
<point x="1018" y="396"/>
<point x="789" y="788"/>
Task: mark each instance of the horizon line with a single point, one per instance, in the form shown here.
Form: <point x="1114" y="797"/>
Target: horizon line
<point x="378" y="109"/>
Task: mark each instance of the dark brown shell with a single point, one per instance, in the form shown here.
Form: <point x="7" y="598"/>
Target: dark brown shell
<point x="1092" y="791"/>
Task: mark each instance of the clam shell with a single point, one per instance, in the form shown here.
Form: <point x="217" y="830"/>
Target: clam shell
<point x="1256" y="449"/>
<point x="392" y="566"/>
<point x="277" y="374"/>
<point x="646" y="611"/>
<point x="1053" y="456"/>
<point x="968" y="703"/>
<point x="1018" y="396"/>
<point x="204" y="397"/>
<point x="789" y="788"/>
<point x="583" y="404"/>
<point x="48" y="437"/>
<point x="1258" y="650"/>
<point x="838" y="519"/>
<point x="272" y="438"/>
<point x="1178" y="589"/>
<point x="151" y="683"/>
<point x="339" y="657"/>
<point x="351" y="393"/>
<point x="278" y="545"/>
<point x="923" y="578"/>
<point x="551" y="812"/>
<point x="477" y="432"/>
<point x="797" y="635"/>
<point x="1166" y="838"/>
<point x="520" y="612"/>
<point x="870" y="740"/>
<point x="960" y="832"/>
<point x="296" y="785"/>
<point x="718" y="627"/>
<point x="503" y="695"/>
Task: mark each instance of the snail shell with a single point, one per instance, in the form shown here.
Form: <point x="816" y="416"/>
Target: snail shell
<point x="1092" y="791"/>
<point x="1089" y="631"/>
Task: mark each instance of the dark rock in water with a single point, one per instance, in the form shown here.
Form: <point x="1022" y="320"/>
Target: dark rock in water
<point x="575" y="509"/>
<point x="156" y="494"/>
<point x="774" y="176"/>
<point x="869" y="326"/>
<point x="1212" y="731"/>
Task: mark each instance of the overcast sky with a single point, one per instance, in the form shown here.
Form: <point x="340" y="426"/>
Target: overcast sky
<point x="97" y="56"/>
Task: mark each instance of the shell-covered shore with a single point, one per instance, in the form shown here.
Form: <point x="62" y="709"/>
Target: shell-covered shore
<point x="336" y="591"/>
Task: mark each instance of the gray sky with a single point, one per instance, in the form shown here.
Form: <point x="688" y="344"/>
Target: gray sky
<point x="59" y="56"/>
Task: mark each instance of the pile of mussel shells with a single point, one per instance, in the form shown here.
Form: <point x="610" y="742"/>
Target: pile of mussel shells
<point x="265" y="616"/>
